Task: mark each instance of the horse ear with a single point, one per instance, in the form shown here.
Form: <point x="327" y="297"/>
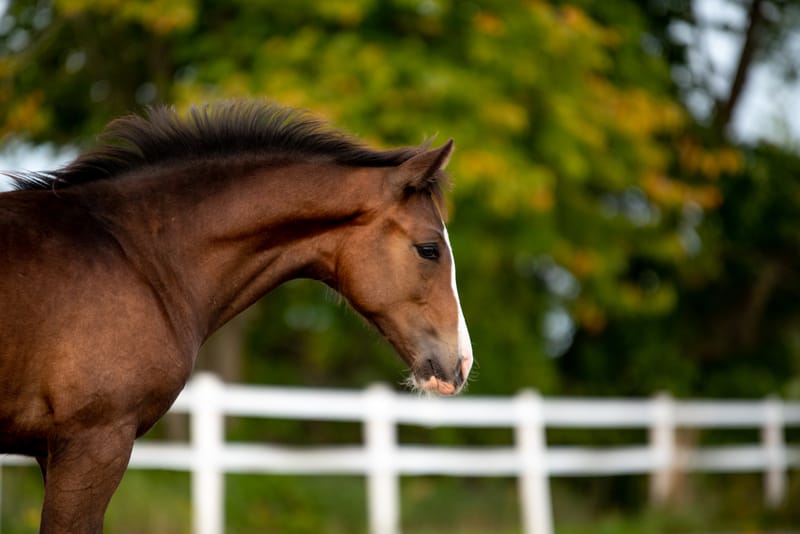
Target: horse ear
<point x="422" y="171"/>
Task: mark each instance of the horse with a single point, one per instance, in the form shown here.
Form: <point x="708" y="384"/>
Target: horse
<point x="117" y="266"/>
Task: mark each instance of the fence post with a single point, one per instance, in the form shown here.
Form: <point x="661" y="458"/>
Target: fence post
<point x="207" y="437"/>
<point x="382" y="479"/>
<point x="772" y="439"/>
<point x="534" y="482"/>
<point x="662" y="443"/>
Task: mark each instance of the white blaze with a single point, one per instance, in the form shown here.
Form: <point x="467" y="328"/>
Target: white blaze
<point x="464" y="343"/>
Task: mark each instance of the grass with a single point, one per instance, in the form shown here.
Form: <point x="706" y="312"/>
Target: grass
<point x="159" y="503"/>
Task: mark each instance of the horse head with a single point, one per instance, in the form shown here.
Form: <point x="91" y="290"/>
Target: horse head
<point x="397" y="269"/>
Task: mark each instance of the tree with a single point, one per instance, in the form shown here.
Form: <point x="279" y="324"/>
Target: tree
<point x="590" y="212"/>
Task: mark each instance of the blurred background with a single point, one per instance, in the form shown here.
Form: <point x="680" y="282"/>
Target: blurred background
<point x="624" y="215"/>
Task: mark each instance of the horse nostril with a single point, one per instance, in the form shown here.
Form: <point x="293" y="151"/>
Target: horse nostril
<point x="433" y="368"/>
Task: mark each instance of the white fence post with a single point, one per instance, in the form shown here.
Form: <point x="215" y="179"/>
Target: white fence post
<point x="208" y="435"/>
<point x="382" y="480"/>
<point x="534" y="481"/>
<point x="774" y="444"/>
<point x="662" y="442"/>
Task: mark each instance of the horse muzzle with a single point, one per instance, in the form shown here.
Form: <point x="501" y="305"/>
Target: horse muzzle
<point x="430" y="375"/>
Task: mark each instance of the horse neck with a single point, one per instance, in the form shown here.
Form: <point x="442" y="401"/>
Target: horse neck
<point x="214" y="240"/>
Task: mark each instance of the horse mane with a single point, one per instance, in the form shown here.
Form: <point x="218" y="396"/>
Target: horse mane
<point x="222" y="129"/>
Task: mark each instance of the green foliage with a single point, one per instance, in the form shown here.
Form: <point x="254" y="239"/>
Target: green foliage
<point x="606" y="242"/>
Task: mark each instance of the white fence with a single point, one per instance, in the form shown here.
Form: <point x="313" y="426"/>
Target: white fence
<point x="382" y="460"/>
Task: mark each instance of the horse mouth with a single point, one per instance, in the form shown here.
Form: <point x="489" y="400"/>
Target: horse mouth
<point x="436" y="386"/>
<point x="429" y="377"/>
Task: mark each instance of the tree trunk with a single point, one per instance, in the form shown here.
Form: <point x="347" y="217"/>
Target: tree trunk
<point x="725" y="108"/>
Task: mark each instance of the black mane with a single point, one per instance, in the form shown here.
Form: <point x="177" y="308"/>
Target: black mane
<point x="214" y="130"/>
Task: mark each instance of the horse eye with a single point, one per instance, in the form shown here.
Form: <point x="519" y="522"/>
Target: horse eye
<point x="429" y="251"/>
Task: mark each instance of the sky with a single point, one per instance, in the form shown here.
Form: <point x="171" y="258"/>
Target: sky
<point x="769" y="108"/>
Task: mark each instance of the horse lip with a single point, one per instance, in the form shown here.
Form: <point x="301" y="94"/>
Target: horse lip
<point x="437" y="386"/>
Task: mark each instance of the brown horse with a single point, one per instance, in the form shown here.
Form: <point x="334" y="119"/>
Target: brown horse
<point x="117" y="267"/>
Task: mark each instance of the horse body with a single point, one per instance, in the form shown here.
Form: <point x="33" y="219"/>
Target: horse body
<point x="112" y="281"/>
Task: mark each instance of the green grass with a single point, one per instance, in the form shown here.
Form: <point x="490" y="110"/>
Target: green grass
<point x="159" y="503"/>
<point x="295" y="505"/>
<point x="21" y="494"/>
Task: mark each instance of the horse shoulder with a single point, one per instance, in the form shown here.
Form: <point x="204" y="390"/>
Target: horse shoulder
<point x="83" y="331"/>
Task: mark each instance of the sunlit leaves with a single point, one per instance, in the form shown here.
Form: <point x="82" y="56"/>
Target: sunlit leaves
<point x="154" y="15"/>
<point x="27" y="115"/>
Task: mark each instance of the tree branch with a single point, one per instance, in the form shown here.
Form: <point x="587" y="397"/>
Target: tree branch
<point x="724" y="109"/>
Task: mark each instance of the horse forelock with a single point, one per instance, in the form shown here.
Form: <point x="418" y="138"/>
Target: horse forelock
<point x="226" y="129"/>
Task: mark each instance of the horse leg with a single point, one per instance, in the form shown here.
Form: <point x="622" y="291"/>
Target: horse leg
<point x="81" y="473"/>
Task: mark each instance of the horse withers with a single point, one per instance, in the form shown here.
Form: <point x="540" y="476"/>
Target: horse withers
<point x="118" y="266"/>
